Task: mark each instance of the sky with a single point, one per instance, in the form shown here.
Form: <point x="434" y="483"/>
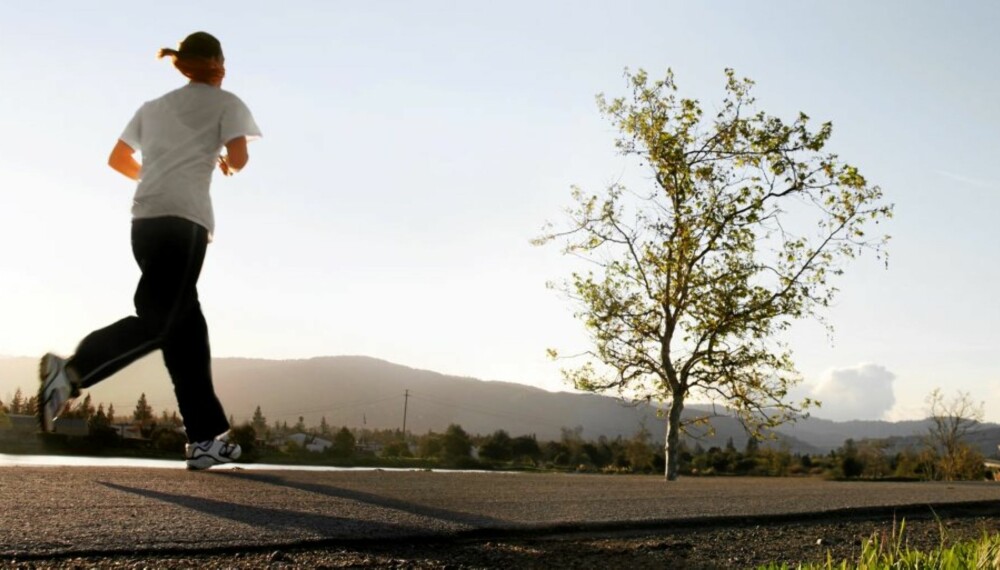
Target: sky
<point x="412" y="150"/>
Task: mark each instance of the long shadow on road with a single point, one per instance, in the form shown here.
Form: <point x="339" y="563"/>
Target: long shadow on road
<point x="457" y="517"/>
<point x="315" y="525"/>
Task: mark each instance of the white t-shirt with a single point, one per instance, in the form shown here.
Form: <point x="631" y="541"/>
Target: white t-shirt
<point x="180" y="136"/>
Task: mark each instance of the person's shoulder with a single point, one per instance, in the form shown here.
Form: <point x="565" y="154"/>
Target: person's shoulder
<point x="229" y="96"/>
<point x="173" y="93"/>
<point x="166" y="99"/>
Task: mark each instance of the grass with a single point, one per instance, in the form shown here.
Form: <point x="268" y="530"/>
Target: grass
<point x="892" y="553"/>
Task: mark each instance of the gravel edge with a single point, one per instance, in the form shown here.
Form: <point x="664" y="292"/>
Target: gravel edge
<point x="700" y="544"/>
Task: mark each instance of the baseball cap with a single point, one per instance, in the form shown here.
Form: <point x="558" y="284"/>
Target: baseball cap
<point x="200" y="44"/>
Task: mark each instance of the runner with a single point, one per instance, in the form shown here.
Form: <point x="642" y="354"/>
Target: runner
<point x="180" y="136"/>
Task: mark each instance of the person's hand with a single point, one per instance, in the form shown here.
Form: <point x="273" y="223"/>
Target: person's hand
<point x="224" y="166"/>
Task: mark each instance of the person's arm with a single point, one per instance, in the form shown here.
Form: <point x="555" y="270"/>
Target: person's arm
<point x="123" y="161"/>
<point x="236" y="156"/>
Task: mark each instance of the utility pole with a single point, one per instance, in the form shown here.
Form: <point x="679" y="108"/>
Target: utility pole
<point x="406" y="404"/>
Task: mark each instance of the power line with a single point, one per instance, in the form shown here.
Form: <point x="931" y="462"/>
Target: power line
<point x="332" y="408"/>
<point x="506" y="415"/>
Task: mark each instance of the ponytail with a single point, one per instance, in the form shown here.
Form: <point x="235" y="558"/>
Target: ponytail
<point x="164" y="52"/>
<point x="199" y="69"/>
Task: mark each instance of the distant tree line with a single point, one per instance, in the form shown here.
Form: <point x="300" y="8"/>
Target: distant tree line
<point x="934" y="459"/>
<point x="105" y="427"/>
<point x="19" y="404"/>
<point x="943" y="455"/>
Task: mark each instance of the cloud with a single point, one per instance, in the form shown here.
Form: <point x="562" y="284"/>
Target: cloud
<point x="862" y="392"/>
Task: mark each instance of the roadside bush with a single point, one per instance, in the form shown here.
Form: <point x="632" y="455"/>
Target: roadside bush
<point x="168" y="439"/>
<point x="246" y="437"/>
<point x="396" y="449"/>
<point x="456" y="442"/>
<point x="344" y="444"/>
<point x="497" y="447"/>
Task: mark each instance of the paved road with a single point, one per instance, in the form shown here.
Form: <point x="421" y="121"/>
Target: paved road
<point x="58" y="511"/>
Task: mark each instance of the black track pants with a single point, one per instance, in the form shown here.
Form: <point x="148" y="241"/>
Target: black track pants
<point x="170" y="252"/>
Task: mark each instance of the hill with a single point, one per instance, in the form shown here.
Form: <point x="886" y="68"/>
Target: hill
<point x="827" y="434"/>
<point x="359" y="391"/>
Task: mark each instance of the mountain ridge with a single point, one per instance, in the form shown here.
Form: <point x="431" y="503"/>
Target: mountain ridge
<point x="364" y="391"/>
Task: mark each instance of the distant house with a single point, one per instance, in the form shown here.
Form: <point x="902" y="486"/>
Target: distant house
<point x="22" y="424"/>
<point x="299" y="439"/>
<point x="310" y="442"/>
<point x="75" y="427"/>
<point x="993" y="466"/>
<point x="128" y="430"/>
<point x="319" y="445"/>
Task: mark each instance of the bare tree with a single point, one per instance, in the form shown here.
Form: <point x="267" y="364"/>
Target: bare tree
<point x="951" y="422"/>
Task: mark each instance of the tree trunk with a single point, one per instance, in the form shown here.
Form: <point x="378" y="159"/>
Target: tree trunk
<point x="672" y="449"/>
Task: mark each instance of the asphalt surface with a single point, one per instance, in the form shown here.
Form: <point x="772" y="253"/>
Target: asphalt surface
<point x="67" y="511"/>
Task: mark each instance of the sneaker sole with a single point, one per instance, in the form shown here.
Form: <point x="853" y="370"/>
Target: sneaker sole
<point x="206" y="461"/>
<point x="44" y="371"/>
<point x="47" y="369"/>
<point x="201" y="463"/>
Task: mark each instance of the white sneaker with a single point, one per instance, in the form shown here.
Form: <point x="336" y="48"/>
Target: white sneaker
<point x="55" y="392"/>
<point x="205" y="454"/>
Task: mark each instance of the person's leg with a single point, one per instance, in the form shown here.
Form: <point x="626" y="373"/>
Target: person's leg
<point x="170" y="252"/>
<point x="184" y="337"/>
<point x="188" y="357"/>
<point x="106" y="351"/>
